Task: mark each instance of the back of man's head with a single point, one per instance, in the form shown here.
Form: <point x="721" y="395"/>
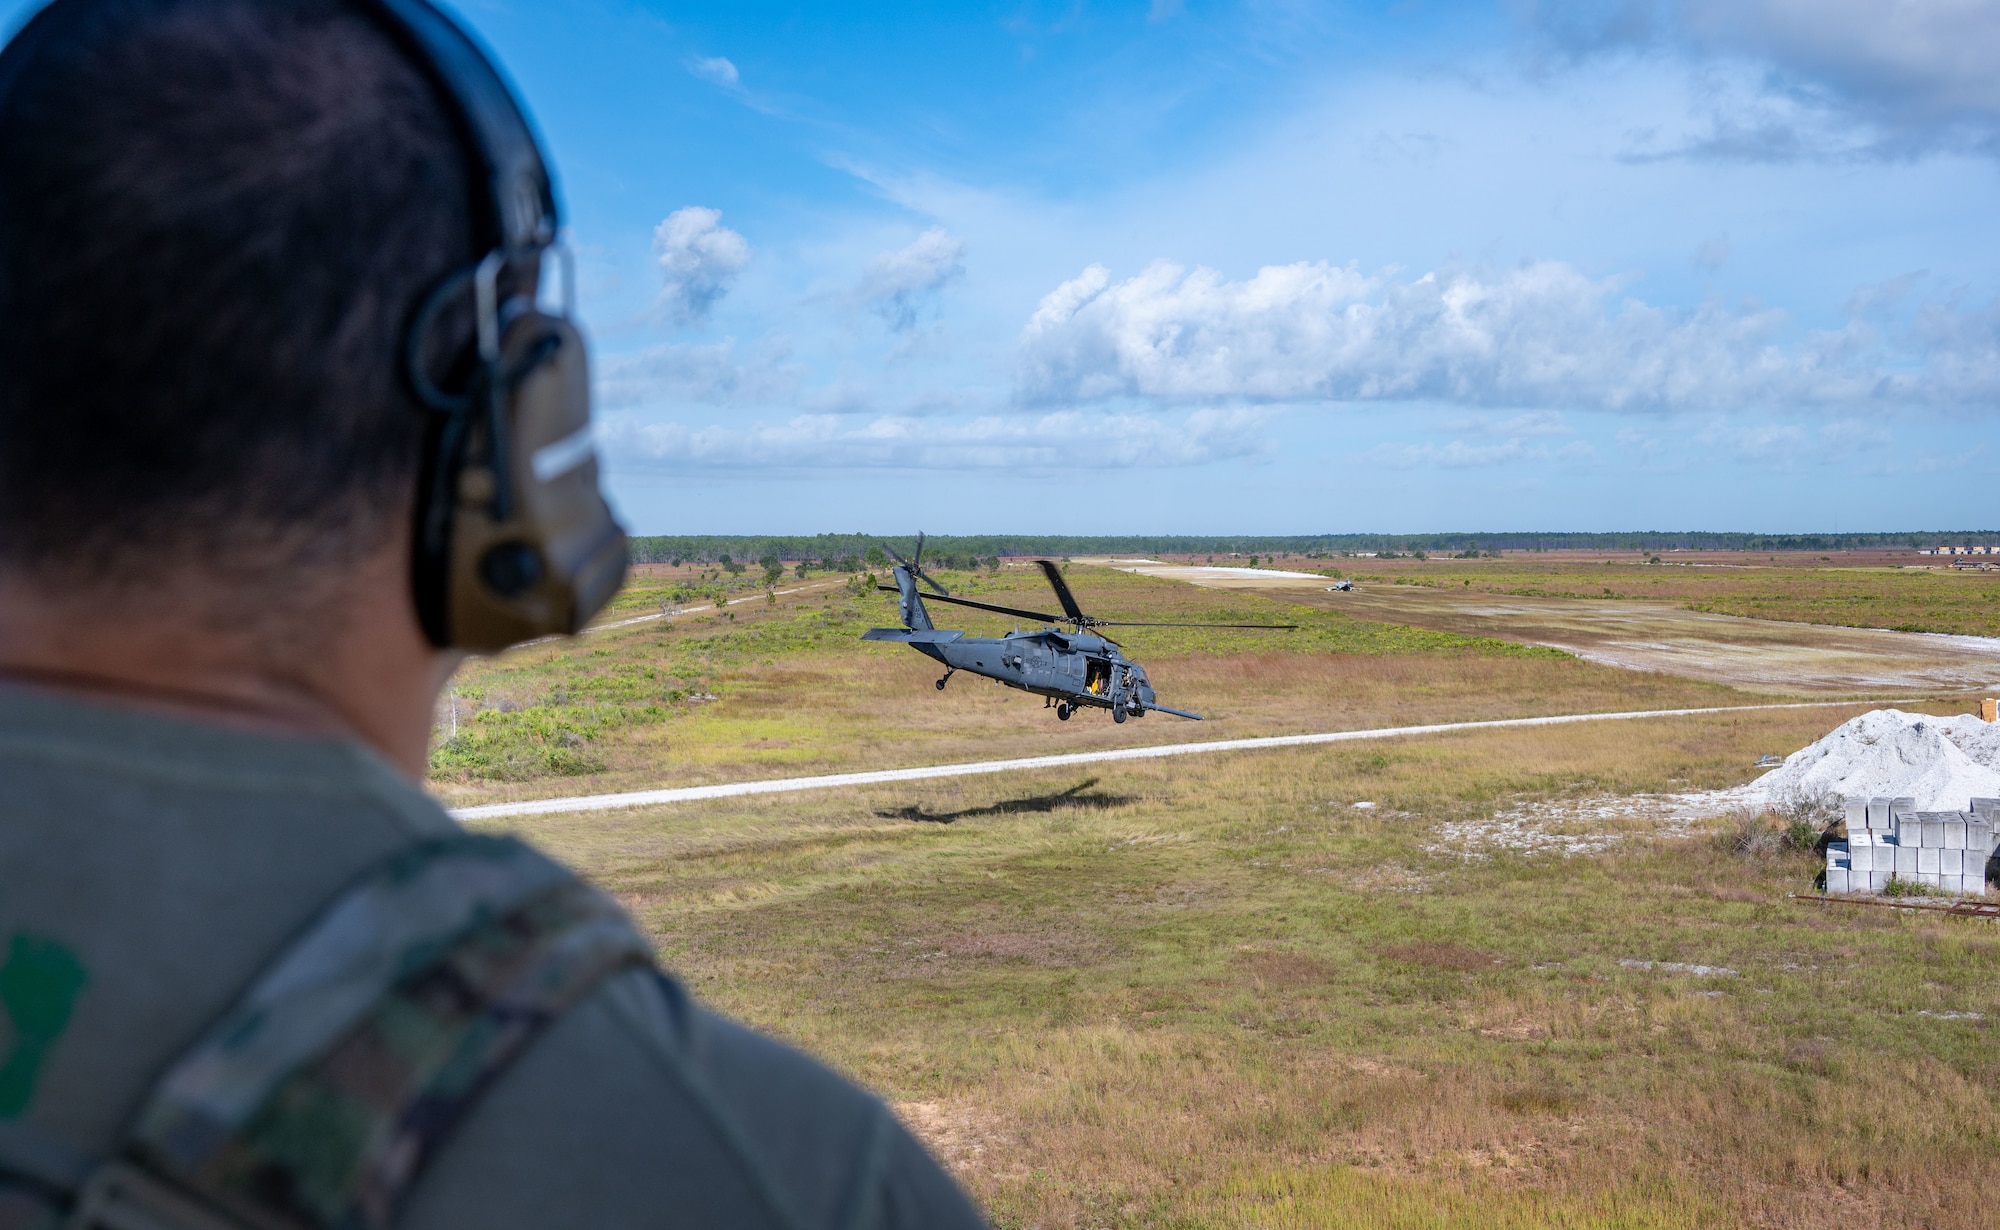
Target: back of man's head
<point x="216" y="217"/>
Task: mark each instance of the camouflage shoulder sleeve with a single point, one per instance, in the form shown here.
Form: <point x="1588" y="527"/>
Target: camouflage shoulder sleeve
<point x="315" y="1101"/>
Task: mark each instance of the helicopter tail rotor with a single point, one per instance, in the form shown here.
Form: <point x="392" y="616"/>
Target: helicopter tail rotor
<point x="916" y="565"/>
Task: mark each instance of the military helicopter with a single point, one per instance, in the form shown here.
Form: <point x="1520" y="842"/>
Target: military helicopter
<point x="1072" y="669"/>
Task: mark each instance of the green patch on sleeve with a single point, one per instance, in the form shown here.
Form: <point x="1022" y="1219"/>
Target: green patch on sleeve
<point x="38" y="987"/>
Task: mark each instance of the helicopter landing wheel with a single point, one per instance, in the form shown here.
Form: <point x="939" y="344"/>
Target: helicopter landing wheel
<point x="1063" y="711"/>
<point x="940" y="684"/>
<point x="1118" y="713"/>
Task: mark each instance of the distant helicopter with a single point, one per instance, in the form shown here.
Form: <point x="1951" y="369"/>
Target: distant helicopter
<point x="1072" y="669"/>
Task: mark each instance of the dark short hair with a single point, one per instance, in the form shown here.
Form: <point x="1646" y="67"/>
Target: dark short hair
<point x="216" y="217"/>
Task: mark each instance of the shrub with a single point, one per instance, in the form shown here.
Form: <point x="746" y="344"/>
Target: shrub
<point x="1752" y="833"/>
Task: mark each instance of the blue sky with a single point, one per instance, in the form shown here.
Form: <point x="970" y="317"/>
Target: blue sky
<point x="1277" y="267"/>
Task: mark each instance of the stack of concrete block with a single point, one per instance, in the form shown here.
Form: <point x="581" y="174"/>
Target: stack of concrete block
<point x="1945" y="850"/>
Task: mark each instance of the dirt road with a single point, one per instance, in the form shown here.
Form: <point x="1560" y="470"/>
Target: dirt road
<point x="830" y="781"/>
<point x="1806" y="659"/>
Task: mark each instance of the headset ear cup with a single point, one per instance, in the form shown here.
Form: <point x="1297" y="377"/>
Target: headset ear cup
<point x="430" y="550"/>
<point x="534" y="549"/>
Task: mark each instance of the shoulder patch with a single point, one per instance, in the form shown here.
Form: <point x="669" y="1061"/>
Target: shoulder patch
<point x="39" y="983"/>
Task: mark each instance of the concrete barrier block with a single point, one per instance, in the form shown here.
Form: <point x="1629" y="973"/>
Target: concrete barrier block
<point x="1954" y="833"/>
<point x="1878" y="881"/>
<point x="1878" y="812"/>
<point x="1933" y="831"/>
<point x="1979" y="836"/>
<point x="1906" y="861"/>
<point x="1984" y="807"/>
<point x="1951" y="862"/>
<point x="1949" y="884"/>
<point x="1927" y="860"/>
<point x="1900" y="810"/>
<point x="1837" y="879"/>
<point x="1856" y="813"/>
<point x="1973" y="886"/>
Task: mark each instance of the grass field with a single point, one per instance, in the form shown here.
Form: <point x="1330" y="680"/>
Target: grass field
<point x="771" y="689"/>
<point x="1855" y="591"/>
<point x="1218" y="994"/>
<point x="1214" y="991"/>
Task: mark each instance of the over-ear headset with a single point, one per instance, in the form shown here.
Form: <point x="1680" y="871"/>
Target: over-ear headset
<point x="513" y="538"/>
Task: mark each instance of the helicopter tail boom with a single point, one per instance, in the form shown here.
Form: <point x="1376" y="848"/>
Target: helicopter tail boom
<point x="911" y="636"/>
<point x="915" y="617"/>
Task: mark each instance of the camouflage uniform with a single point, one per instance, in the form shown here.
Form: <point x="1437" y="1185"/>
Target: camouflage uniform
<point x="466" y="1035"/>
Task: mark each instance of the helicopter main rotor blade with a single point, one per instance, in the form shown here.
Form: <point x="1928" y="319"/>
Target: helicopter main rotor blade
<point x="1041" y="616"/>
<point x="916" y="570"/>
<point x="1056" y="582"/>
<point x="1128" y="623"/>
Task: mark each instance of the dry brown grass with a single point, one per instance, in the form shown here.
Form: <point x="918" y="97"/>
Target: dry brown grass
<point x="1187" y="1007"/>
<point x="1213" y="992"/>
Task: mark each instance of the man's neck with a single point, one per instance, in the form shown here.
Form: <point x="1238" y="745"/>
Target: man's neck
<point x="362" y="670"/>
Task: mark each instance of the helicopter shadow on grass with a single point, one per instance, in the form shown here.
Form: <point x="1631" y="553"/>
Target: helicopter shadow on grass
<point x="1075" y="796"/>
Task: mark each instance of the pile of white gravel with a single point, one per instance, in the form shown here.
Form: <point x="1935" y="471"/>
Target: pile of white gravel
<point x="1941" y="762"/>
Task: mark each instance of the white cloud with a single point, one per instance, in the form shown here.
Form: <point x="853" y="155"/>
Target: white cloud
<point x="1541" y="335"/>
<point x="1466" y="455"/>
<point x="1779" y="442"/>
<point x="1847" y="438"/>
<point x="1062" y="440"/>
<point x="1789" y="445"/>
<point x="699" y="260"/>
<point x="1534" y="423"/>
<point x="898" y="284"/>
<point x="1918" y="72"/>
<point x="715" y="69"/>
<point x="708" y="374"/>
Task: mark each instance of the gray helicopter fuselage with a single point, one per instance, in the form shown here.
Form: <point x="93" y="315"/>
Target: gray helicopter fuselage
<point x="1078" y="667"/>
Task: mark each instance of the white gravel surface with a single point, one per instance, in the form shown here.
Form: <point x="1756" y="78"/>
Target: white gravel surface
<point x="1941" y="762"/>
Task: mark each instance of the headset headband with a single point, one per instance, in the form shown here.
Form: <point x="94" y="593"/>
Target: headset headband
<point x="516" y="212"/>
<point x="520" y="210"/>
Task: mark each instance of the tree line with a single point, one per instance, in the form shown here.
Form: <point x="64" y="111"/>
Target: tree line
<point x="848" y="552"/>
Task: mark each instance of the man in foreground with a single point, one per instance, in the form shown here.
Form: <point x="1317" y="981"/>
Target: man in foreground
<point x="282" y="434"/>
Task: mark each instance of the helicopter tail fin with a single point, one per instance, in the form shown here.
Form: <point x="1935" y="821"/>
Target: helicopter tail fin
<point x="915" y="617"/>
